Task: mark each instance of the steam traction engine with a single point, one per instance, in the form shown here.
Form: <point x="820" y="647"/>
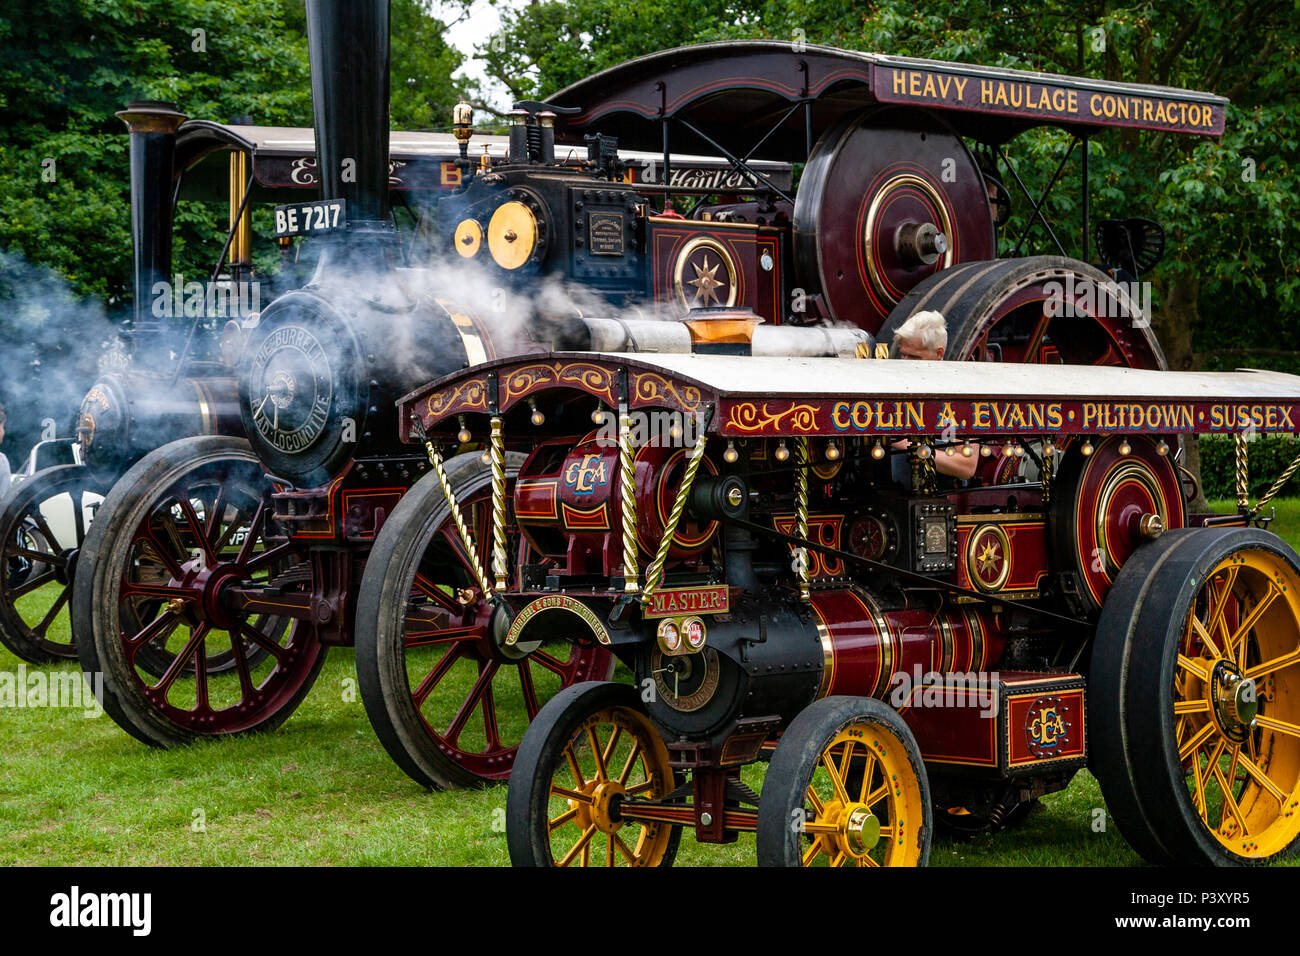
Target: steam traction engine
<point x="534" y="537"/>
<point x="766" y="576"/>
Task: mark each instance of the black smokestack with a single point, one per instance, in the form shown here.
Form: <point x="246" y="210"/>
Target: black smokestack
<point x="153" y="128"/>
<point x="348" y="44"/>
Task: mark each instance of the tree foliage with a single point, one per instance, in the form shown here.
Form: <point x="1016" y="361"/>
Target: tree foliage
<point x="1230" y="282"/>
<point x="69" y="65"/>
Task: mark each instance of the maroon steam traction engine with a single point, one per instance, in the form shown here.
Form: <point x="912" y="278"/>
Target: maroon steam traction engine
<point x="479" y="585"/>
<point x="784" y="583"/>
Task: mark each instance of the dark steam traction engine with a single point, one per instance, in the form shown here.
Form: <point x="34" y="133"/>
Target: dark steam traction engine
<point x="664" y="460"/>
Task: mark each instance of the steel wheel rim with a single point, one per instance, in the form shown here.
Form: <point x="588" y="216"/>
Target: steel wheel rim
<point x="863" y="805"/>
<point x="614" y="753"/>
<point x="446" y="608"/>
<point x="1243" y="778"/>
<point x="163" y="591"/>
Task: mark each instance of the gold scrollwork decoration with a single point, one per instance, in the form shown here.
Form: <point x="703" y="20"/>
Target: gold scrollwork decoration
<point x="650" y="388"/>
<point x="591" y="378"/>
<point x="747" y="417"/>
<point x="466" y="395"/>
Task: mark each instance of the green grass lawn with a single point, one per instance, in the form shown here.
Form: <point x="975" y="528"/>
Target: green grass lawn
<point x="322" y="791"/>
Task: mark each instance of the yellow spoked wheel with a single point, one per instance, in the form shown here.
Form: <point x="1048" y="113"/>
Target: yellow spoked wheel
<point x="1236" y="704"/>
<point x="846" y="787"/>
<point x="589" y="748"/>
<point x="1211" y="745"/>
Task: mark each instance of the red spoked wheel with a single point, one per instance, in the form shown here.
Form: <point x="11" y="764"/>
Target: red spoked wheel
<point x="448" y="699"/>
<point x="183" y="525"/>
<point x="1034" y="310"/>
<point x="42" y="530"/>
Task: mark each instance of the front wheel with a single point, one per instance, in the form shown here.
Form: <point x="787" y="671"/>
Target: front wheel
<point x="587" y="750"/>
<point x="846" y="786"/>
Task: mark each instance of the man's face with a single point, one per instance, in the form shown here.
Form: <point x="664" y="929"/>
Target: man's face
<point x="912" y="349"/>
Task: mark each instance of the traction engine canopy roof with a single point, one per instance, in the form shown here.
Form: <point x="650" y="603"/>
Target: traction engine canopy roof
<point x="736" y="90"/>
<point x="830" y="397"/>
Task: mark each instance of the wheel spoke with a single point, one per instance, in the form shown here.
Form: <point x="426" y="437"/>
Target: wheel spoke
<point x="44" y="623"/>
<point x="631" y="762"/>
<point x="27" y="587"/>
<point x="487" y="669"/>
<point x="437" y="595"/>
<point x="444" y="635"/>
<point x="201" y="675"/>
<point x="1244" y="628"/>
<point x="810" y="854"/>
<point x="609" y="748"/>
<point x="1184" y="707"/>
<point x="216" y="511"/>
<point x="1198" y="797"/>
<point x="836" y="782"/>
<point x="1195" y="742"/>
<point x="1204" y="635"/>
<point x="79" y="516"/>
<point x="819" y="808"/>
<point x="438" y="673"/>
<point x="1217" y="621"/>
<point x="597" y="754"/>
<point x="241" y="662"/>
<point x="199" y="531"/>
<point x="550" y="663"/>
<point x="490" y="729"/>
<point x="162" y="592"/>
<point x="871" y="799"/>
<point x="40" y="557"/>
<point x="43" y="527"/>
<point x="529" y="691"/>
<point x="149" y="541"/>
<point x="269" y="556"/>
<point x="558" y="791"/>
<point x="1272" y="723"/>
<point x="180" y="660"/>
<point x="159" y="627"/>
<point x="1274" y="664"/>
<point x="254" y="533"/>
<point x="563" y="818"/>
<point x="261" y="640"/>
<point x="868" y="772"/>
<point x="1195" y="667"/>
<point x="1229" y="801"/>
<point x="622" y="848"/>
<point x="578" y="847"/>
<point x="1262" y="779"/>
<point x="572" y="757"/>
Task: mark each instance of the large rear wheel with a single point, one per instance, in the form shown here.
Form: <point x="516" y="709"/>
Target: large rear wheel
<point x="186" y="522"/>
<point x="1198" y="653"/>
<point x="448" y="699"/>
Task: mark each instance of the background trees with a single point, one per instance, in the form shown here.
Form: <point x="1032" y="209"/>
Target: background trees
<point x="65" y="243"/>
<point x="1225" y="295"/>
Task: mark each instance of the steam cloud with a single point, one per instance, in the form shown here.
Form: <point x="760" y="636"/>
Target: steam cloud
<point x="53" y="342"/>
